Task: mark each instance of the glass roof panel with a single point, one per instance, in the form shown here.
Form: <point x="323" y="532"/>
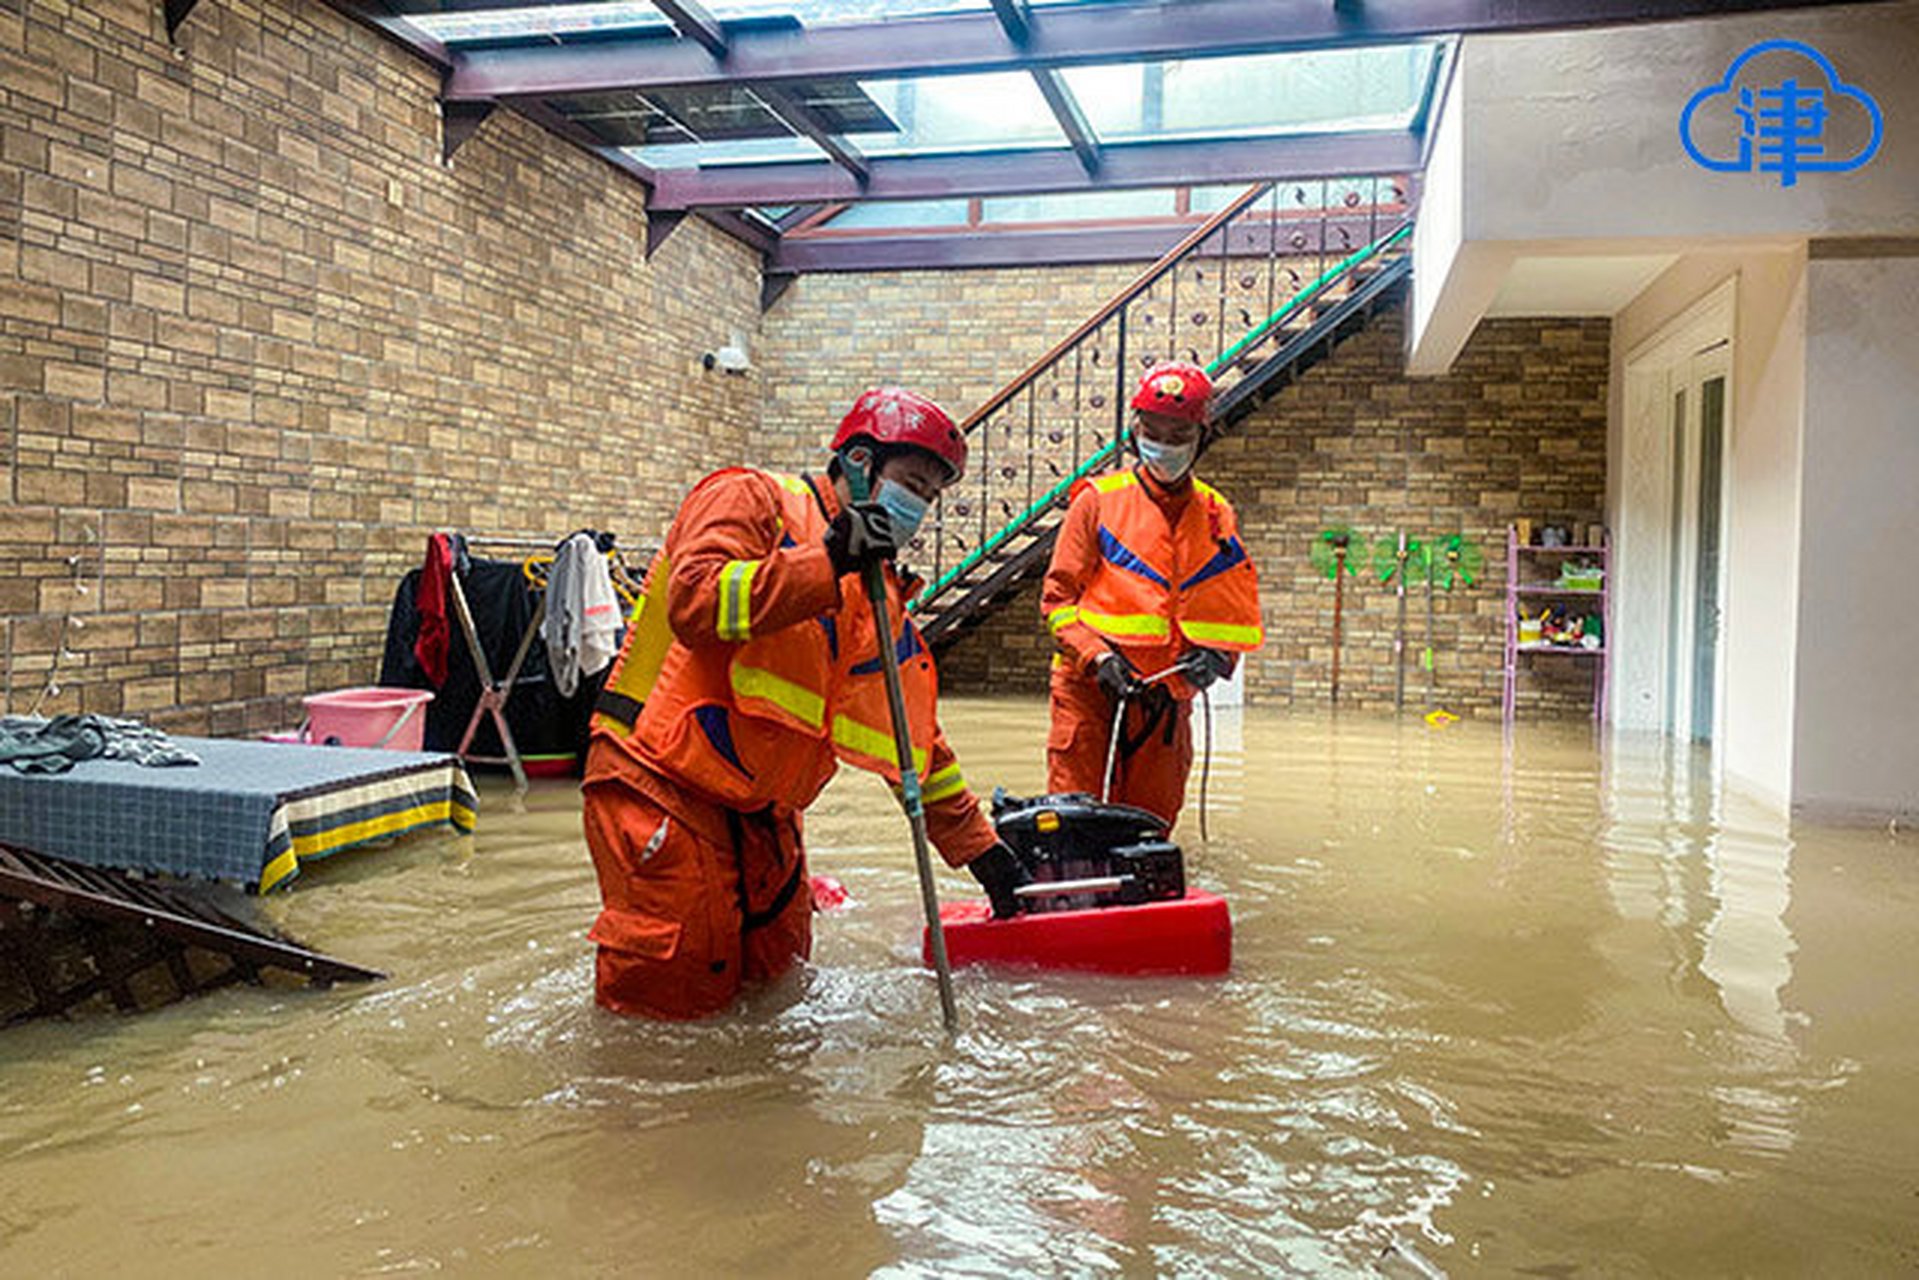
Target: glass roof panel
<point x="1079" y="206"/>
<point x="691" y="155"/>
<point x="1319" y="91"/>
<point x="514" y="22"/>
<point x="902" y="213"/>
<point x="959" y="113"/>
<point x="822" y="13"/>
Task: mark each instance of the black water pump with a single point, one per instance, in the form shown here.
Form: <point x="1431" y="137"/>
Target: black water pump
<point x="1081" y="853"/>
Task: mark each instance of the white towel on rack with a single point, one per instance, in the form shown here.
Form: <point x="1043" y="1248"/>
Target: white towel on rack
<point x="582" y="627"/>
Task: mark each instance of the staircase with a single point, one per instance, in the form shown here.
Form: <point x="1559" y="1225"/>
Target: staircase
<point x="1314" y="261"/>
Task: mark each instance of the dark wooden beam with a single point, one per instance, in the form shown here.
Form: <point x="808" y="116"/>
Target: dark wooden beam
<point x="176" y="13"/>
<point x="1146" y="164"/>
<point x="802" y="120"/>
<point x="458" y="122"/>
<point x="658" y="227"/>
<point x="1014" y="20"/>
<point x="1072" y="121"/>
<point x="1066" y="36"/>
<point x="1250" y="238"/>
<point x="695" y="23"/>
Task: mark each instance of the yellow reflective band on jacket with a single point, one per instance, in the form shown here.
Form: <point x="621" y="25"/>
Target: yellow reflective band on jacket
<point x="649" y="636"/>
<point x="868" y="741"/>
<point x="792" y="484"/>
<point x="735" y="620"/>
<point x="1223" y="632"/>
<point x="1147" y="626"/>
<point x="1118" y="480"/>
<point x="1064" y="616"/>
<point x="804" y="705"/>
<point x="946" y="783"/>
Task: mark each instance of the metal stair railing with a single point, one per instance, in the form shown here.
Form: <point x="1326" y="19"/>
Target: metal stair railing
<point x="990" y="563"/>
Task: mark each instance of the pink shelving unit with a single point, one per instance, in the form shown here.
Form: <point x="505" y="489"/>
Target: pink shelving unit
<point x="1526" y="584"/>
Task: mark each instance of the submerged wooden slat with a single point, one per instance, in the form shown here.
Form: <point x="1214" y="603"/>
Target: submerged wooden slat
<point x="126" y="926"/>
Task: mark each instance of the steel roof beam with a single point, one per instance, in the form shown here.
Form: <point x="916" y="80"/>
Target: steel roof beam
<point x="1072" y="121"/>
<point x="694" y="23"/>
<point x="1072" y="36"/>
<point x="803" y="120"/>
<point x="1144" y="164"/>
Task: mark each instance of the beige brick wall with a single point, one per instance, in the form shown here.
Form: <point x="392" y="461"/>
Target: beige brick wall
<point x="256" y="341"/>
<point x="956" y="336"/>
<point x="1516" y="429"/>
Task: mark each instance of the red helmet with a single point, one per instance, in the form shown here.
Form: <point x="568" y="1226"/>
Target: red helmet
<point x="1176" y="388"/>
<point x="897" y="417"/>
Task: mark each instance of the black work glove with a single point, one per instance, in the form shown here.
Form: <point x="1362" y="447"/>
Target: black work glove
<point x="1000" y="872"/>
<point x="1202" y="667"/>
<point x="1116" y="676"/>
<point x="860" y="535"/>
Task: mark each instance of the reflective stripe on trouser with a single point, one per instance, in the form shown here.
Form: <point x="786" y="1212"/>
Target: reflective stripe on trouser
<point x="1153" y="777"/>
<point x="673" y="934"/>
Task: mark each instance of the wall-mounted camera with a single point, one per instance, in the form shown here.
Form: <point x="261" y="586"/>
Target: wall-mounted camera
<point x="731" y="358"/>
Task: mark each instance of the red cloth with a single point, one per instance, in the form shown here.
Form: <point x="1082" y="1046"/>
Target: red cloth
<point x="430" y="647"/>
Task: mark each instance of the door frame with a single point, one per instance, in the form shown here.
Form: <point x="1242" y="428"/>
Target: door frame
<point x="1690" y="349"/>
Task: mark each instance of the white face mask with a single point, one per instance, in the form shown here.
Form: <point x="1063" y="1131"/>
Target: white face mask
<point x="903" y="507"/>
<point x="1169" y="463"/>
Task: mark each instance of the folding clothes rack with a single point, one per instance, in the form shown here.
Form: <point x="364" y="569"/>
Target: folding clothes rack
<point x="494" y="693"/>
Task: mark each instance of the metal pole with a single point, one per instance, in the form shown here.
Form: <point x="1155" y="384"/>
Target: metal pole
<point x="873" y="577"/>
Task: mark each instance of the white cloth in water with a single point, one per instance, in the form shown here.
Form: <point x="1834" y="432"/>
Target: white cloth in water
<point x="582" y="626"/>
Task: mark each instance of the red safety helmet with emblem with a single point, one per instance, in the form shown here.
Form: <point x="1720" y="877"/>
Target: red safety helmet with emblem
<point x="1176" y="388"/>
<point x="895" y="417"/>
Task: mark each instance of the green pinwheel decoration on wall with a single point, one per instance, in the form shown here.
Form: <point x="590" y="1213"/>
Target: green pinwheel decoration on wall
<point x="1457" y="560"/>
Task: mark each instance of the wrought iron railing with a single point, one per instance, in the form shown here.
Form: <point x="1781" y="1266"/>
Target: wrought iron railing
<point x="1226" y="297"/>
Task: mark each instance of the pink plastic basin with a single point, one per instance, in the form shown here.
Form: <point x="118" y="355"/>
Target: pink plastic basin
<point x="375" y="716"/>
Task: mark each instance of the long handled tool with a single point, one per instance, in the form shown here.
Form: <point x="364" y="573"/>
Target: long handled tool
<point x="873" y="578"/>
<point x="1330" y="556"/>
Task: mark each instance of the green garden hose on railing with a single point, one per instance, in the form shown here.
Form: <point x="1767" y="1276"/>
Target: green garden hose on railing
<point x="1101" y="455"/>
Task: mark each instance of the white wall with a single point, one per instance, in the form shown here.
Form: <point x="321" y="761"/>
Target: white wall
<point x="1762" y="492"/>
<point x="1856" y="740"/>
<point x="1575" y="135"/>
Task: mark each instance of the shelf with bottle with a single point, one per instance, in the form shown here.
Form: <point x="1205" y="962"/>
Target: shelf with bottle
<point x="1558" y="609"/>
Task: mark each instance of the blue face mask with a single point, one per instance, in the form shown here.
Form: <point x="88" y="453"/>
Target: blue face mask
<point x="903" y="507"/>
<point x="1167" y="462"/>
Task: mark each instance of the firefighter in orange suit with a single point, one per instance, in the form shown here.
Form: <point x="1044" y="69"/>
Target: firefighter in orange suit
<point x="750" y="669"/>
<point x="1148" y="575"/>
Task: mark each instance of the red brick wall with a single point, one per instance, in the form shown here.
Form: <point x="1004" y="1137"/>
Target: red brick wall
<point x="256" y="341"/>
<point x="1516" y="429"/>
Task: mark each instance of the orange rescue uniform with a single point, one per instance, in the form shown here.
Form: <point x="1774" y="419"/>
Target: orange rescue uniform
<point x="1149" y="572"/>
<point x="749" y="671"/>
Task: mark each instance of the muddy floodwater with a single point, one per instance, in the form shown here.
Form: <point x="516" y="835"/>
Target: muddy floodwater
<point x="1552" y="1011"/>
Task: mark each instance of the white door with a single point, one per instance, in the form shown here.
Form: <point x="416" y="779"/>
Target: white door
<point x="1696" y="562"/>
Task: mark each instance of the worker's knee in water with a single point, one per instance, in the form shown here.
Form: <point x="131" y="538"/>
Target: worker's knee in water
<point x="657" y="966"/>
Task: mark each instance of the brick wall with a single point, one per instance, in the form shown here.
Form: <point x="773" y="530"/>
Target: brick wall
<point x="256" y="341"/>
<point x="1516" y="429"/>
<point x="957" y="336"/>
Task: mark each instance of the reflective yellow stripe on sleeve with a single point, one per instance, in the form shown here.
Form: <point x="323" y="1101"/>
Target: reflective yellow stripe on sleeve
<point x="801" y="703"/>
<point x="868" y="741"/>
<point x="735" y="620"/>
<point x="1064" y="616"/>
<point x="1223" y="633"/>
<point x="1139" y="625"/>
<point x="942" y="785"/>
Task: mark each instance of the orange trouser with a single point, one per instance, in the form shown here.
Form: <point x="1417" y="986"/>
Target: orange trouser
<point x="1152" y="775"/>
<point x="697" y="900"/>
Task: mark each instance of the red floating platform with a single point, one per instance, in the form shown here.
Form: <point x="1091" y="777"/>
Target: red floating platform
<point x="1189" y="935"/>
